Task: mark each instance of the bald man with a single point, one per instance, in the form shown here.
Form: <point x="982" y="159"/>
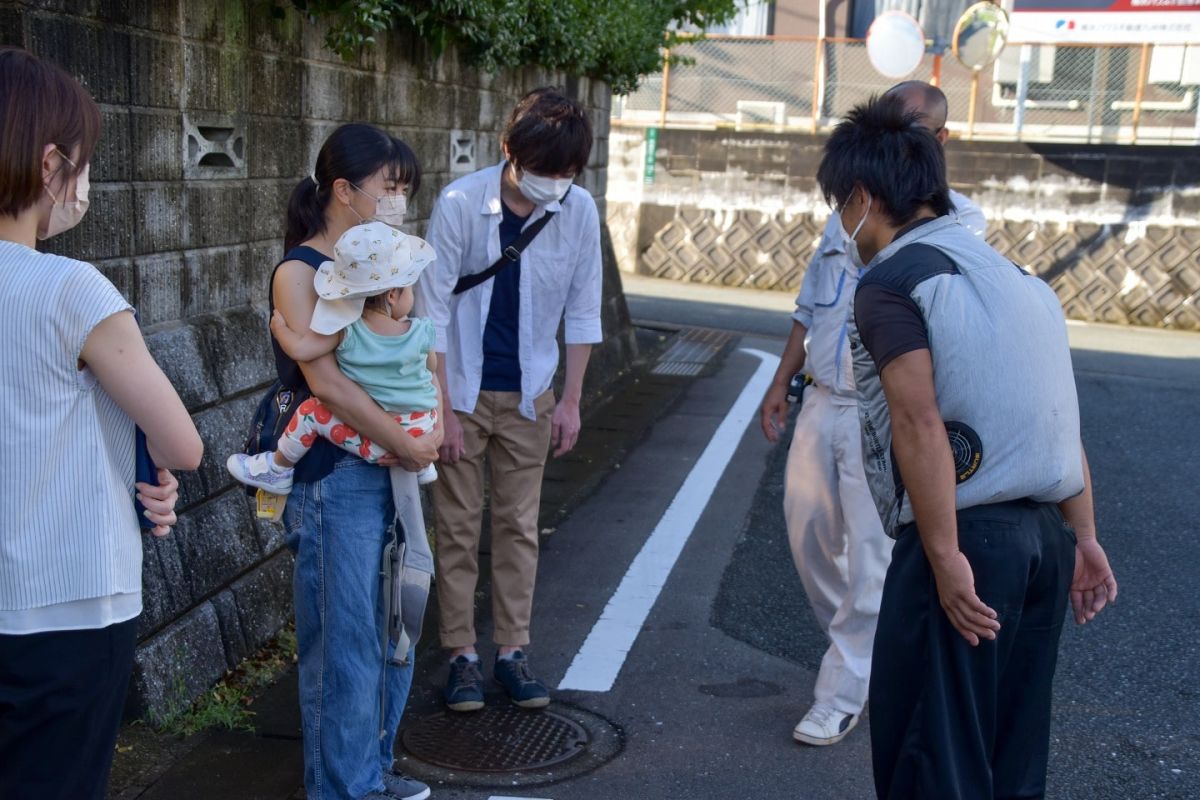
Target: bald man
<point x="836" y="537"/>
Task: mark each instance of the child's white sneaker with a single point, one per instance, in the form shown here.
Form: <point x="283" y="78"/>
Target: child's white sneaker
<point x="260" y="470"/>
<point x="427" y="475"/>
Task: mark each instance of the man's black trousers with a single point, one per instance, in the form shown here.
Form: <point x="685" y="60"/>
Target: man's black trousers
<point x="61" y="698"/>
<point x="950" y="721"/>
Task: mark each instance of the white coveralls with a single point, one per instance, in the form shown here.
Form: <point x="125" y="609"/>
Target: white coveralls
<point x="837" y="540"/>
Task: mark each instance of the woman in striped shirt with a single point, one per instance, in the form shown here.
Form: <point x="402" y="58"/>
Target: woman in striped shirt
<point x="75" y="378"/>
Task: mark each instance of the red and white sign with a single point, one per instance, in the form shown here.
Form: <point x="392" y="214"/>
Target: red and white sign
<point x="1106" y="21"/>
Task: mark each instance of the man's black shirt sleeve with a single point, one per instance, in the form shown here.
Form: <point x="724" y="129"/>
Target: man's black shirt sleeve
<point x="888" y="319"/>
<point x="889" y="323"/>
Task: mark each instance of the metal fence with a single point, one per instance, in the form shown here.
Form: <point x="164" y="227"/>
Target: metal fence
<point x="1141" y="93"/>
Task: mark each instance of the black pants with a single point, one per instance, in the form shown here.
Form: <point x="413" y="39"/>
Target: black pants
<point x="61" y="698"/>
<point x="952" y="721"/>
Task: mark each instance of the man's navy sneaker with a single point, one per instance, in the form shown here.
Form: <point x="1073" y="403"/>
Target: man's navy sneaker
<point x="523" y="689"/>
<point x="464" y="688"/>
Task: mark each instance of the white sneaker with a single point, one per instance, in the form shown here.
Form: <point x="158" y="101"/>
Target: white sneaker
<point x="256" y="470"/>
<point x="427" y="475"/>
<point x="823" y="725"/>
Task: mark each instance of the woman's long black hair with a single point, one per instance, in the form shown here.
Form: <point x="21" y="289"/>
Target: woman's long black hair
<point x="354" y="152"/>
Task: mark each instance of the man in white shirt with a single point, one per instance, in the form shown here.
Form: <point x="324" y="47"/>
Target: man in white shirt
<point x="836" y="537"/>
<point x="497" y="354"/>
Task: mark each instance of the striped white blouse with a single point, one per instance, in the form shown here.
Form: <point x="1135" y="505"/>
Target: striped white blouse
<point x="70" y="545"/>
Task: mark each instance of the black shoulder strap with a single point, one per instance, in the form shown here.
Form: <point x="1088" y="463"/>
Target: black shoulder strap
<point x="511" y="254"/>
<point x="309" y="255"/>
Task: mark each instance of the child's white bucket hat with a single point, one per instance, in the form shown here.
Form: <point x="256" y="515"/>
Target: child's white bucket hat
<point x="368" y="259"/>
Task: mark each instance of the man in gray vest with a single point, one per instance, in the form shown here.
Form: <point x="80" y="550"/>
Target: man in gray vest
<point x="971" y="443"/>
<point x="838" y="545"/>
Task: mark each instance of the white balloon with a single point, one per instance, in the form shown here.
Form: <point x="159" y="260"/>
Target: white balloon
<point x="895" y="44"/>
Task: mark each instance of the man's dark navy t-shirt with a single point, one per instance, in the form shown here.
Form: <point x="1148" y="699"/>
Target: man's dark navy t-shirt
<point x="501" y="335"/>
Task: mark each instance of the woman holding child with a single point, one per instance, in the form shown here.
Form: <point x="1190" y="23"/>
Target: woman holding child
<point x="340" y="510"/>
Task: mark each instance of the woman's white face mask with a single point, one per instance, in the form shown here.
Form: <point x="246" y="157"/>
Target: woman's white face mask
<point x="68" y="213"/>
<point x="389" y="209"/>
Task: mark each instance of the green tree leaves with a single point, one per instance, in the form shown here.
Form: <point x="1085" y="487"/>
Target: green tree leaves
<point x="618" y="41"/>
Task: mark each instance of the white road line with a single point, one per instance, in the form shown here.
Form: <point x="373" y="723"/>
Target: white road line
<point x="600" y="658"/>
<point x="506" y="797"/>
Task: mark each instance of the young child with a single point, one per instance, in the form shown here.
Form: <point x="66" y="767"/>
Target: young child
<point x="364" y="297"/>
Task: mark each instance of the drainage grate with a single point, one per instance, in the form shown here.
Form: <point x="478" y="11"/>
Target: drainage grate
<point x="691" y="351"/>
<point x="496" y="739"/>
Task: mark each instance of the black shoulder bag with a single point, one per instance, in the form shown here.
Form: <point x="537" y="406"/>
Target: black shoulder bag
<point x="511" y="254"/>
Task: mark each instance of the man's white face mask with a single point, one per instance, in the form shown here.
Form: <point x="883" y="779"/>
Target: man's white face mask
<point x="851" y="238"/>
<point x="540" y="190"/>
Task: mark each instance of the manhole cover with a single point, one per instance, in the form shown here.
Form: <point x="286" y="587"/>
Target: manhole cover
<point x="496" y="739"/>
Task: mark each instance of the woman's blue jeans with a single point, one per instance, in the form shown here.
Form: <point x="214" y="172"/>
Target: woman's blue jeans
<point x="338" y="527"/>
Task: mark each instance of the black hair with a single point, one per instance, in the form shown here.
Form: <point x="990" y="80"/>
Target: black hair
<point x="354" y="152"/>
<point x="549" y="133"/>
<point x="886" y="150"/>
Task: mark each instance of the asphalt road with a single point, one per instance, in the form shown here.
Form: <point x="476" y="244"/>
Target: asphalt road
<point x="724" y="663"/>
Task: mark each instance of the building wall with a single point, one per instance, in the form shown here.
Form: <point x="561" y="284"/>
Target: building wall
<point x="192" y="245"/>
<point x="1114" y="229"/>
<point x="802" y="17"/>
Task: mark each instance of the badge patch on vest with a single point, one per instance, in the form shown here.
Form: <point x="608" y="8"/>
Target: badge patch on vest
<point x="966" y="448"/>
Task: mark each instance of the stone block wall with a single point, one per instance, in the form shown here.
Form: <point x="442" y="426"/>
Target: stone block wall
<point x="1115" y="229"/>
<point x="192" y="246"/>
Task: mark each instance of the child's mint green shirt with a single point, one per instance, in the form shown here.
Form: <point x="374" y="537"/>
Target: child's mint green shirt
<point x="392" y="369"/>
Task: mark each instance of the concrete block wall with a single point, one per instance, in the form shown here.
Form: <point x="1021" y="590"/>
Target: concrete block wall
<point x="194" y="254"/>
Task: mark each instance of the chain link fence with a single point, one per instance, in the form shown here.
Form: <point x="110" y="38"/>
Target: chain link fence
<point x="1145" y="94"/>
